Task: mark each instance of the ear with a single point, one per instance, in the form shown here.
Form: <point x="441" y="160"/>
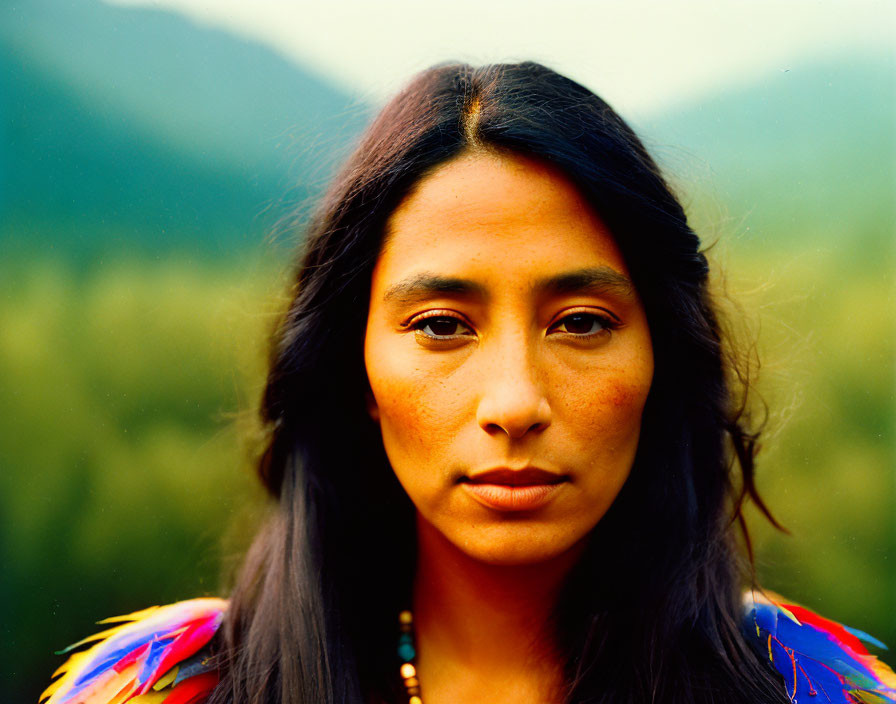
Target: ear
<point x="372" y="409"/>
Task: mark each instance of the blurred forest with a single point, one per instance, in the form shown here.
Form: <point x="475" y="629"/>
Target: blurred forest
<point x="144" y="163"/>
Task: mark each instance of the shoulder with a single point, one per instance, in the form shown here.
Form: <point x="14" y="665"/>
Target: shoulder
<point x="150" y="657"/>
<point x="820" y="660"/>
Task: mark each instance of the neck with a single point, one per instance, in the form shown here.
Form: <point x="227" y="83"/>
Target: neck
<point x="479" y="623"/>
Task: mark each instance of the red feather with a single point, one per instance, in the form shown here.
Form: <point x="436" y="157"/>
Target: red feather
<point x="192" y="690"/>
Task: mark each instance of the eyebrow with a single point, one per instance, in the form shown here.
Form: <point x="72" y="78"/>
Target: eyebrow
<point x="594" y="280"/>
<point x="425" y="284"/>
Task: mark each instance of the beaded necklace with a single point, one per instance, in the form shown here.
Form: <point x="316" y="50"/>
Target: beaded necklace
<point x="407" y="654"/>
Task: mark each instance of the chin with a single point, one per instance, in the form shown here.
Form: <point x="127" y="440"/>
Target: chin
<point x="520" y="549"/>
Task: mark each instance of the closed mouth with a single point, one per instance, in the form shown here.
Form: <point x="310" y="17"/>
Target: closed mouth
<point x="530" y="476"/>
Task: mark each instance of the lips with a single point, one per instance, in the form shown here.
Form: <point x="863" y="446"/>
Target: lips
<point x="514" y="489"/>
<point x="516" y="477"/>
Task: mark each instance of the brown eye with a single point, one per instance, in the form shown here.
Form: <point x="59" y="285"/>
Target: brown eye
<point x="582" y="324"/>
<point x="441" y="327"/>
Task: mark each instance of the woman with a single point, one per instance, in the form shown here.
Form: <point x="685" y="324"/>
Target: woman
<point x="505" y="437"/>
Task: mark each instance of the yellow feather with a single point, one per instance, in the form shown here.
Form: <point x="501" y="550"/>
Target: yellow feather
<point x="884" y="673"/>
<point x="766" y="596"/>
<point x="97" y="689"/>
<point x="72" y="663"/>
<point x="75" y="661"/>
<point x="49" y="691"/>
<point x="106" y="688"/>
<point x="69" y="664"/>
<point x="136" y="616"/>
<point x="788" y="614"/>
<point x="166" y="679"/>
<point x="111" y="687"/>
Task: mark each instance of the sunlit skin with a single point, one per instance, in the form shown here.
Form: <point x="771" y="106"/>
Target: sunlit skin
<point x="503" y="332"/>
<point x="520" y="365"/>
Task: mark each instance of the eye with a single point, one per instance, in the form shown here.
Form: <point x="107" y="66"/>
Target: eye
<point x="583" y="324"/>
<point x="441" y="327"/>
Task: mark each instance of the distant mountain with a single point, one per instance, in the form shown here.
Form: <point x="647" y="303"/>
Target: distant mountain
<point x="807" y="154"/>
<point x="131" y="126"/>
<point x="126" y="127"/>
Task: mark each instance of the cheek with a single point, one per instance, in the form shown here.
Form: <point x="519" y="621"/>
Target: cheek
<point x="417" y="409"/>
<point x="606" y="413"/>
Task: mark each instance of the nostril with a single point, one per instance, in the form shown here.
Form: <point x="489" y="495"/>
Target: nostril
<point x="514" y="430"/>
<point x="514" y="414"/>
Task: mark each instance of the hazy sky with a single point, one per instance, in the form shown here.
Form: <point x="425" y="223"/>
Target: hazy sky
<point x="641" y="56"/>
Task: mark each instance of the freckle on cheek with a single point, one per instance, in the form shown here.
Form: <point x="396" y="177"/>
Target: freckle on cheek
<point x="621" y="396"/>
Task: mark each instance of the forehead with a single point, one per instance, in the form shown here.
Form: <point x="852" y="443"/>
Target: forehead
<point x="494" y="214"/>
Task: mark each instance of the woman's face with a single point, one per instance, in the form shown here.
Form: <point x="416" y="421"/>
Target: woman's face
<point x="508" y="356"/>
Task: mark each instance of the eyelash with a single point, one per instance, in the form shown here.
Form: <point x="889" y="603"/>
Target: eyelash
<point x="420" y="321"/>
<point x="607" y="322"/>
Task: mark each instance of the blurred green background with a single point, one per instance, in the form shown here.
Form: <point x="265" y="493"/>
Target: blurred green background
<point x="141" y="179"/>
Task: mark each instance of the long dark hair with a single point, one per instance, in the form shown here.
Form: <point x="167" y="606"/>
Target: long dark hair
<point x="651" y="613"/>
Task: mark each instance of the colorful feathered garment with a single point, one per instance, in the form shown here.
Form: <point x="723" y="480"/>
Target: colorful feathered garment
<point x="821" y="661"/>
<point x="154" y="657"/>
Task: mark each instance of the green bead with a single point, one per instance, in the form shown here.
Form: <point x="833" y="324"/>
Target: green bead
<point x="406" y="651"/>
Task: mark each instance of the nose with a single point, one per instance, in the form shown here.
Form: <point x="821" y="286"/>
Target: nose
<point x="513" y="401"/>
